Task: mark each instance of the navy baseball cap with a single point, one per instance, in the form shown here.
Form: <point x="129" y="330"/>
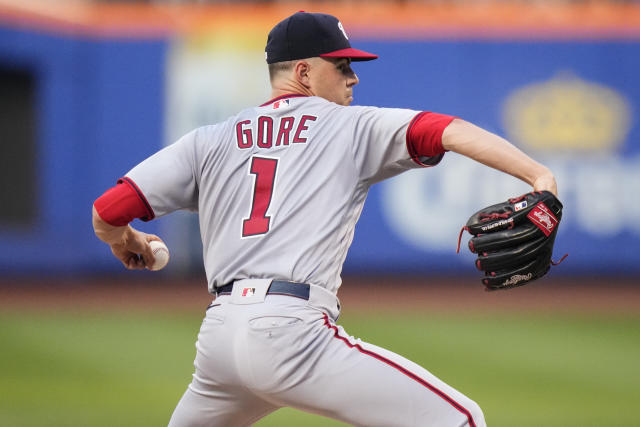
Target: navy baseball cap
<point x="307" y="35"/>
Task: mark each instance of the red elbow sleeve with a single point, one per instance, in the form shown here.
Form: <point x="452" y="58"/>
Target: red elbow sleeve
<point x="424" y="135"/>
<point x="119" y="205"/>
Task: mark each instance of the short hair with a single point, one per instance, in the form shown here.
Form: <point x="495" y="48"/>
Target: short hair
<point x="278" y="67"/>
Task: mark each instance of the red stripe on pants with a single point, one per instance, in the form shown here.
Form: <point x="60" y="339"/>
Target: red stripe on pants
<point x="403" y="370"/>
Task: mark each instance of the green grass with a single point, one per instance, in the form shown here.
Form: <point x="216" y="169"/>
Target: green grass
<point x="130" y="368"/>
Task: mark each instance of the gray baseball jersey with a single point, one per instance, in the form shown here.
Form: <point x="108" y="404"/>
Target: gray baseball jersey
<point x="279" y="187"/>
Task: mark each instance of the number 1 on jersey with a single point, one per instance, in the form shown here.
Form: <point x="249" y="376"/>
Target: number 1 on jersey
<point x="264" y="170"/>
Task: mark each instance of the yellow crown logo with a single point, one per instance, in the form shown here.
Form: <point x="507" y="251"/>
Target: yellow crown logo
<point x="567" y="112"/>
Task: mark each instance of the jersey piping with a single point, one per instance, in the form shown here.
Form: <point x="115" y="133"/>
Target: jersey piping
<point x="150" y="214"/>
<point x="420" y="160"/>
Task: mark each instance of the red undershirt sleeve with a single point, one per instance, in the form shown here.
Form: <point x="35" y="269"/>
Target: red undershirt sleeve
<point x="424" y="135"/>
<point x="121" y="204"/>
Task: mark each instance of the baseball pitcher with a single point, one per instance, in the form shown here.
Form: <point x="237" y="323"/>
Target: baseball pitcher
<point x="279" y="188"/>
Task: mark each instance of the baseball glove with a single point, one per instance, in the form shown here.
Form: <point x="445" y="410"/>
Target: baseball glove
<point x="514" y="239"/>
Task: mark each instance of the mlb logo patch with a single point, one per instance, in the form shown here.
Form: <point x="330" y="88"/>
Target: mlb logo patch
<point x="247" y="292"/>
<point x="520" y="205"/>
<point x="281" y="104"/>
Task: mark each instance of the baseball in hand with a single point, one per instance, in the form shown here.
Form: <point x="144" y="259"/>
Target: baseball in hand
<point x="161" y="253"/>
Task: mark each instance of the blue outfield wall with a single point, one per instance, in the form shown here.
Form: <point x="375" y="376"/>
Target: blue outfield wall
<point x="100" y="105"/>
<point x="572" y="105"/>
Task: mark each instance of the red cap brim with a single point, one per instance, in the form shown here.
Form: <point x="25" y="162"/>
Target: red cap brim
<point x="354" y="54"/>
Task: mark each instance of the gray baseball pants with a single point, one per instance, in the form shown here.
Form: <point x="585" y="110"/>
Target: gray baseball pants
<point x="258" y="354"/>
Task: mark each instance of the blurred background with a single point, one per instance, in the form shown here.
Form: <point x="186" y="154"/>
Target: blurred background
<point x="88" y="89"/>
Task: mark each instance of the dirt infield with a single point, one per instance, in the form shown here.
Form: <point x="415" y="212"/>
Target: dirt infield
<point x="443" y="294"/>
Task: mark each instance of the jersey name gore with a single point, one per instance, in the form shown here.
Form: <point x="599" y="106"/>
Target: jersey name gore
<point x="265" y="134"/>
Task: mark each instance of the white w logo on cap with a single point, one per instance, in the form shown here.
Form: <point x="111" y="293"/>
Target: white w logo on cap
<point x="342" y="29"/>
